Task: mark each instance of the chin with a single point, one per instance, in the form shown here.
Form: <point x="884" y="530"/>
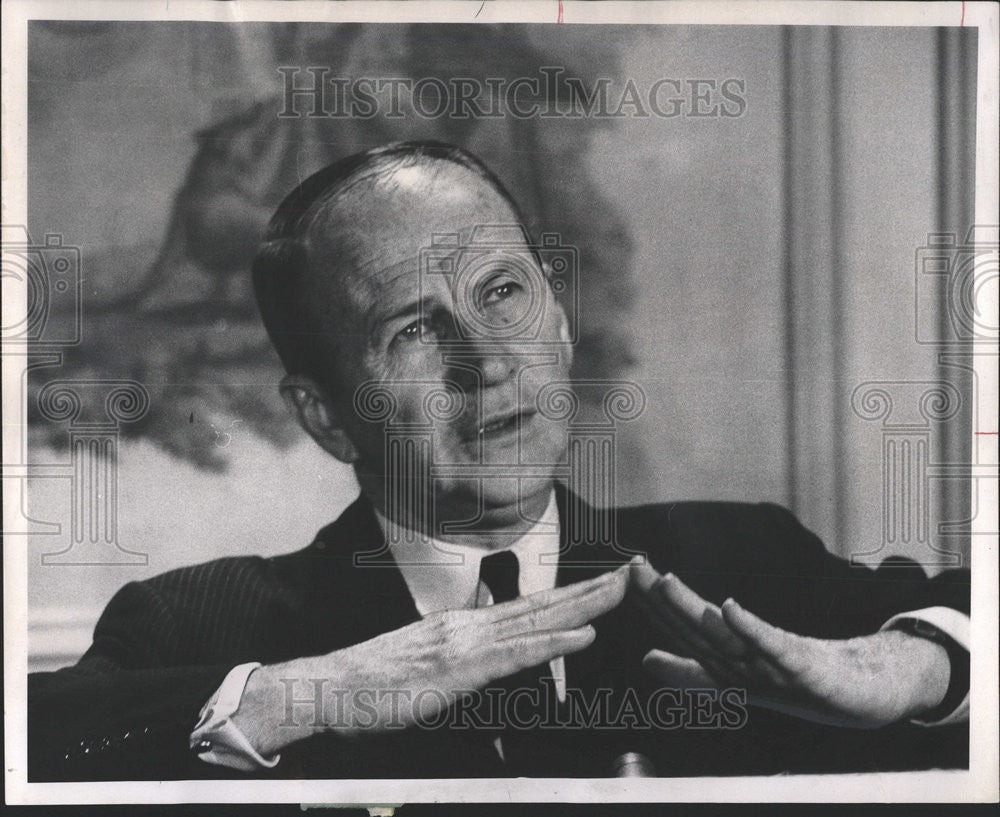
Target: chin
<point x="501" y="498"/>
<point x="505" y="498"/>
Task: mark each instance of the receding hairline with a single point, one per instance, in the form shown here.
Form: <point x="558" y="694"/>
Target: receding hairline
<point x="295" y="214"/>
<point x="340" y="266"/>
<point x="332" y="216"/>
<point x="284" y="276"/>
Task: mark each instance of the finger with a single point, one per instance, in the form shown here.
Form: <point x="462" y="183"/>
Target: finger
<point x="509" y="609"/>
<point x="704" y="622"/>
<point x="683" y="673"/>
<point x="701" y="616"/>
<point x="731" y="669"/>
<point x="563" y="614"/>
<point x="713" y="645"/>
<point x="531" y="649"/>
<point x="689" y="620"/>
<point x="719" y="634"/>
<point x="651" y="596"/>
<point x="559" y="609"/>
<point x="673" y="628"/>
<point x="763" y="637"/>
<point x="642" y="576"/>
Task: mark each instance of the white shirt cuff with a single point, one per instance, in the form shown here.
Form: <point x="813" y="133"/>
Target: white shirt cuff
<point x="216" y="739"/>
<point x="957" y="626"/>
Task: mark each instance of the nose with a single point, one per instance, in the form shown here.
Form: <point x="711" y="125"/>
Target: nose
<point x="496" y="366"/>
<point x="482" y="363"/>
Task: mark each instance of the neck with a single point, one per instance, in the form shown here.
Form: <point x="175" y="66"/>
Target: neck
<point x="494" y="528"/>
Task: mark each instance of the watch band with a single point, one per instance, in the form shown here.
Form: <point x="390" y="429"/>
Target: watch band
<point x="958" y="657"/>
<point x="216" y="739"/>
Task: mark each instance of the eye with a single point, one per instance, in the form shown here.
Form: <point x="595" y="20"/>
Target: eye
<point x="498" y="291"/>
<point x="412" y="331"/>
<point x="420" y="328"/>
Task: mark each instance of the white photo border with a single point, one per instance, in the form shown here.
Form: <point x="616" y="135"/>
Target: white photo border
<point x="979" y="783"/>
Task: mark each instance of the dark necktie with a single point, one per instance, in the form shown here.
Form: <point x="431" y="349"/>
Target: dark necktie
<point x="499" y="572"/>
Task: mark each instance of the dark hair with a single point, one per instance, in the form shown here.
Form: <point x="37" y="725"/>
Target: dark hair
<point x="279" y="268"/>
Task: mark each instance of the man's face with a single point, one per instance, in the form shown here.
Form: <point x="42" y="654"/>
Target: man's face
<point x="484" y="337"/>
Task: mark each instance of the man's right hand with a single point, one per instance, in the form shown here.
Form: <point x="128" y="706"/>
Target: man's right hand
<point x="447" y="653"/>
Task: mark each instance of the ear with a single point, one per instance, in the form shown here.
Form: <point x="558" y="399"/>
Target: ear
<point x="564" y="326"/>
<point x="564" y="334"/>
<point x="312" y="408"/>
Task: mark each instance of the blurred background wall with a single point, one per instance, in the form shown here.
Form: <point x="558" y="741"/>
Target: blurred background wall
<point x="751" y="273"/>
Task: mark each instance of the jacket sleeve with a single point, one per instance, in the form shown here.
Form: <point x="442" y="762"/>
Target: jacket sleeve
<point x="126" y="710"/>
<point x="804" y="588"/>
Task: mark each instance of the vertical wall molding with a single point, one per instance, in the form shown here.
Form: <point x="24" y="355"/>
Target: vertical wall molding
<point x="823" y="359"/>
<point x="812" y="280"/>
<point x="955" y="213"/>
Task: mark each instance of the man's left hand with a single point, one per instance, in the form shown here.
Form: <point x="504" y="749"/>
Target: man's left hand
<point x="866" y="682"/>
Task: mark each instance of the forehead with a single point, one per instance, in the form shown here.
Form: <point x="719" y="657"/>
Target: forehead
<point x="368" y="243"/>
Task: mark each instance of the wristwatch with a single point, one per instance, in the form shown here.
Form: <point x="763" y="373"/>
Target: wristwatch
<point x="216" y="739"/>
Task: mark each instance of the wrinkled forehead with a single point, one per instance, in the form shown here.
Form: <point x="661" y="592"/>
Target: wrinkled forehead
<point x="370" y="239"/>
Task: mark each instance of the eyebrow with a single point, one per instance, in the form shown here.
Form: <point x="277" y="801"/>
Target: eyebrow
<point x="411" y="308"/>
<point x="383" y="313"/>
<point x="377" y="313"/>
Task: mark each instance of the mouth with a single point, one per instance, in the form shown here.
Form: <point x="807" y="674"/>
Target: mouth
<point x="502" y="425"/>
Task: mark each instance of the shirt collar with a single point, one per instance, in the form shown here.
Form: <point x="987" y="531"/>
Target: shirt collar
<point x="445" y="575"/>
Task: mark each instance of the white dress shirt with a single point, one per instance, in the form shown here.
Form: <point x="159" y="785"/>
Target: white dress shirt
<point x="445" y="576"/>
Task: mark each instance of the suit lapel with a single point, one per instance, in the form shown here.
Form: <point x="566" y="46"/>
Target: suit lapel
<point x="371" y="592"/>
<point x="580" y="557"/>
<point x="376" y="579"/>
<point x="362" y="591"/>
<point x="367" y="584"/>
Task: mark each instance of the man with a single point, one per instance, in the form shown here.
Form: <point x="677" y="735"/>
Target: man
<point x="453" y="622"/>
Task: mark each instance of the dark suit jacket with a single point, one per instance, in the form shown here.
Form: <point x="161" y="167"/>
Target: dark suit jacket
<point x="163" y="646"/>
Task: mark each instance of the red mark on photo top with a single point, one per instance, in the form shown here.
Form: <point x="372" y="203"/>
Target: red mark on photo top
<point x="559" y="17"/>
<point x="961" y="23"/>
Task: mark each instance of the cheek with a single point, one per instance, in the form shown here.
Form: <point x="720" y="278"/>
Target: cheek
<point x="553" y="437"/>
<point x="426" y="404"/>
<point x="415" y="361"/>
<point x="409" y="390"/>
